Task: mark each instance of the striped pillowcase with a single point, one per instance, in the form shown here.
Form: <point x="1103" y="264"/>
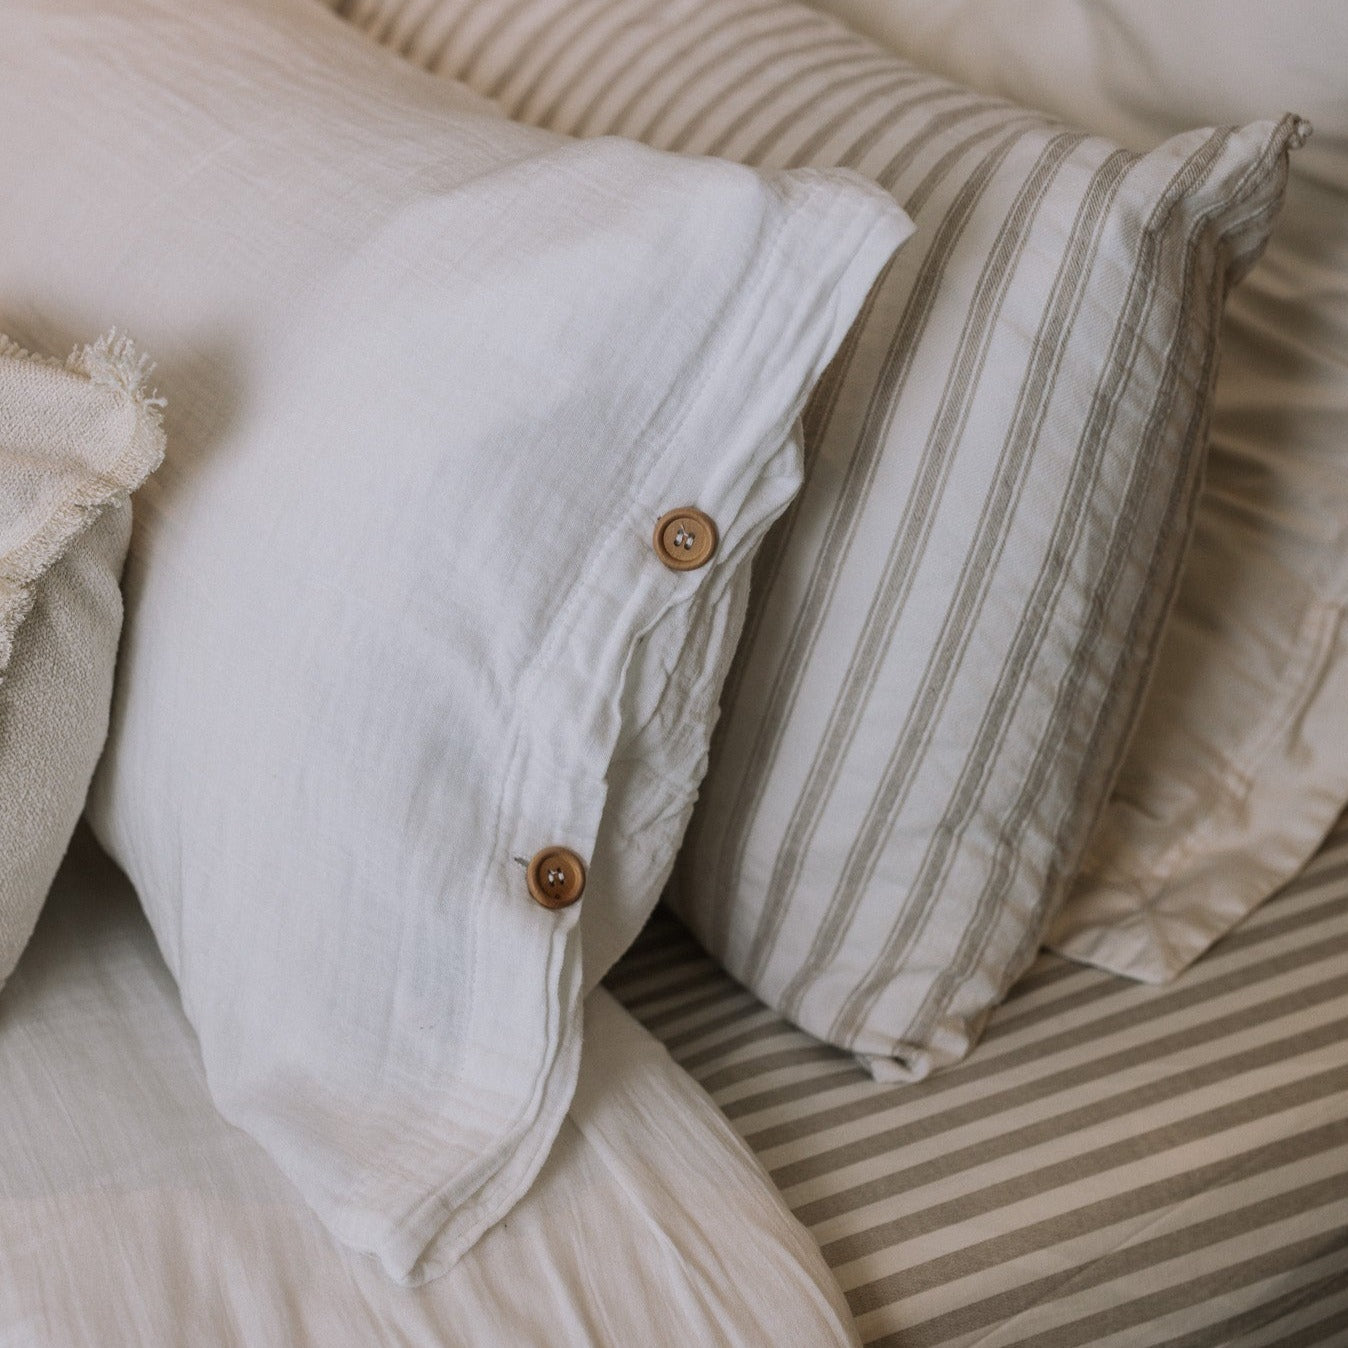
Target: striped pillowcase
<point x="951" y="631"/>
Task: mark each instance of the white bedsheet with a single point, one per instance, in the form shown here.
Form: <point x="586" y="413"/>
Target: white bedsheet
<point x="131" y="1213"/>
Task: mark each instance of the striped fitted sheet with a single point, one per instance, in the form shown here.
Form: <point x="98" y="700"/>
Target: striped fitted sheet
<point x="1115" y="1164"/>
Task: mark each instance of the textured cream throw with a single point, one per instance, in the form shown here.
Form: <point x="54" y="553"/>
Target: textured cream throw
<point x="76" y="438"/>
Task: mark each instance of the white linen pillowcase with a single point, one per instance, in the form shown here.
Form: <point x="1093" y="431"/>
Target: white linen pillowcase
<point x="1239" y="766"/>
<point x="76" y="439"/>
<point x="396" y="626"/>
<point x="951" y="632"/>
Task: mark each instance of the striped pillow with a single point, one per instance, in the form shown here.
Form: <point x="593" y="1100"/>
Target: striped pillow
<point x="951" y="631"/>
<point x="1240" y="763"/>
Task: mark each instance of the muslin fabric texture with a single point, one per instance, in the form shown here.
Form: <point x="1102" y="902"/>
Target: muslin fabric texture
<point x="131" y="1213"/>
<point x="76" y="439"/>
<point x="951" y="632"/>
<point x="1240" y="763"/>
<point x="395" y="622"/>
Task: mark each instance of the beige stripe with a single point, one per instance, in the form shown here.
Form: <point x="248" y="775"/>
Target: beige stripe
<point x="1308" y="880"/>
<point x="1276" y="1310"/>
<point x="796" y="1092"/>
<point x="846" y="118"/>
<point x="445" y="52"/>
<point x="911" y="535"/>
<point x="969" y="1097"/>
<point x="686" y="1026"/>
<point x="1101" y="754"/>
<point x="691" y="93"/>
<point x="1227" y="972"/>
<point x="1056" y="987"/>
<point x="818" y="416"/>
<point x="838" y="55"/>
<point x="775" y="690"/>
<point x="1323" y="1320"/>
<point x="863" y="1159"/>
<point x="688" y="980"/>
<point x="1191" y="1303"/>
<point x="576" y="80"/>
<point x="379" y="21"/>
<point x="841" y="113"/>
<point x="1089" y="992"/>
<point x="1061" y="1226"/>
<point x="671" y="68"/>
<point x="691" y="1018"/>
<point x="623" y="980"/>
<point x="801" y="1050"/>
<point x="1078" y="1252"/>
<point x="528" y="63"/>
<point x="1279" y="917"/>
<point x="818" y="592"/>
<point x="1142" y="1141"/>
<point x="1106" y="743"/>
<point x="410" y="35"/>
<point x="784" y="1120"/>
<point x="924" y="893"/>
<point x="1147" y="1307"/>
<point x="975" y="581"/>
<point x="466" y="63"/>
<point x="1092" y="1068"/>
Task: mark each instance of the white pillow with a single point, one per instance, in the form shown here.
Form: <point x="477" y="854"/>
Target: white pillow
<point x="1240" y="763"/>
<point x="951" y="632"/>
<point x="401" y="650"/>
<point x="75" y="440"/>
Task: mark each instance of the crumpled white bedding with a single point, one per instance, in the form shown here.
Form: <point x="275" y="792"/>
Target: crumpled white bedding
<point x="132" y="1213"/>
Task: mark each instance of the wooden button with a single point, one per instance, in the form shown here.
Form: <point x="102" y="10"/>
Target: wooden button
<point x="685" y="539"/>
<point x="556" y="877"/>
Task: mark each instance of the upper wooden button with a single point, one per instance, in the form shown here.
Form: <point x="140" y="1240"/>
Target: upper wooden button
<point x="685" y="539"/>
<point x="556" y="877"/>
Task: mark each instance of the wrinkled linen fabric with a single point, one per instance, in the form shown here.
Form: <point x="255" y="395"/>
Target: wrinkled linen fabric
<point x="132" y="1213"/>
<point x="76" y="438"/>
<point x="395" y="621"/>
<point x="1240" y="762"/>
<point x="951" y="632"/>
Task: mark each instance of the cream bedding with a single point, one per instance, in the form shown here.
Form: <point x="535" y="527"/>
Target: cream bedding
<point x="132" y="1214"/>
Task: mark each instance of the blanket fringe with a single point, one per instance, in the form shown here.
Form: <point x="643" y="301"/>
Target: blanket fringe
<point x="114" y="362"/>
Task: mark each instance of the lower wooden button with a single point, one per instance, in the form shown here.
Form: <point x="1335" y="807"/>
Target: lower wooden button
<point x="556" y="877"/>
<point x="685" y="539"/>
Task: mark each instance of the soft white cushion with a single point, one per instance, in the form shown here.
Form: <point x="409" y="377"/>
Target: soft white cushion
<point x="395" y="620"/>
<point x="950" y="635"/>
<point x="1240" y="763"/>
<point x="75" y="440"/>
<point x="133" y="1216"/>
